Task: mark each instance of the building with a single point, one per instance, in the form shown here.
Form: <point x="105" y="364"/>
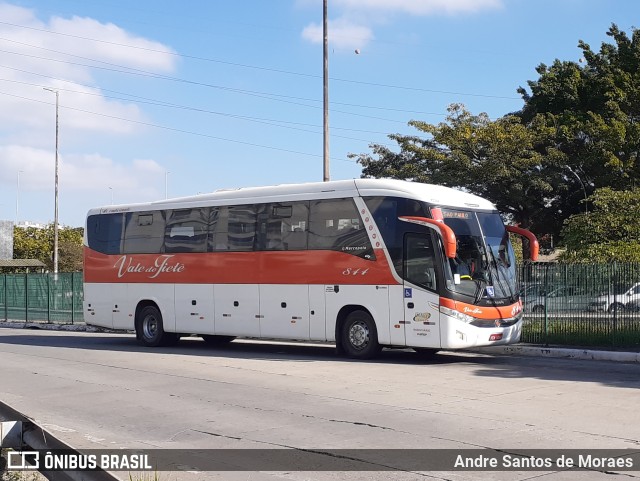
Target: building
<point x="6" y="239"/>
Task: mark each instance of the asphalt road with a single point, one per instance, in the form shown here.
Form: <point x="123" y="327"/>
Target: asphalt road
<point x="98" y="390"/>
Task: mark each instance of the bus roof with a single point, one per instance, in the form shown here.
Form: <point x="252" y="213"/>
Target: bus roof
<point x="433" y="194"/>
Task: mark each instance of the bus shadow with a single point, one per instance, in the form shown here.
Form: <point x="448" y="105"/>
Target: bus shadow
<point x="608" y="373"/>
<point x="194" y="346"/>
<point x="484" y="365"/>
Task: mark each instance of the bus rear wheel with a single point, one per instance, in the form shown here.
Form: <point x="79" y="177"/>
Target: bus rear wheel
<point x="150" y="330"/>
<point x="359" y="338"/>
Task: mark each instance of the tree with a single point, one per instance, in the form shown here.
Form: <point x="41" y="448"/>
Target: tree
<point x="592" y="112"/>
<point x="499" y="160"/>
<point x="579" y="130"/>
<point x="611" y="231"/>
<point x="36" y="243"/>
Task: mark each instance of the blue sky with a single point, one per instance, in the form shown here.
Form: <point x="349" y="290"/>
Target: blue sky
<point x="202" y="95"/>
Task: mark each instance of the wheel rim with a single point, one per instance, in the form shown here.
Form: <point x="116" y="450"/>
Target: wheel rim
<point x="150" y="327"/>
<point x="359" y="335"/>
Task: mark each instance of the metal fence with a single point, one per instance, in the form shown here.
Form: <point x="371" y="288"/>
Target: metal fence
<point x="568" y="304"/>
<point x="581" y="304"/>
<point x="41" y="297"/>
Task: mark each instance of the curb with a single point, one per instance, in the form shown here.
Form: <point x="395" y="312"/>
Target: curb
<point x="561" y="352"/>
<point x="49" y="326"/>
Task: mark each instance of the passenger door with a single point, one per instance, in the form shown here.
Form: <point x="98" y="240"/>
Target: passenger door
<point x="421" y="299"/>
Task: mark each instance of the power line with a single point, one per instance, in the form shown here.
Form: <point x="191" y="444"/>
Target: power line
<point x="148" y="101"/>
<point x="256" y="67"/>
<point x="173" y="129"/>
<point x="142" y="73"/>
<point x="391" y="109"/>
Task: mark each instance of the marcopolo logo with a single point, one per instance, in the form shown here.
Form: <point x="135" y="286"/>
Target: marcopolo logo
<point x="422" y="317"/>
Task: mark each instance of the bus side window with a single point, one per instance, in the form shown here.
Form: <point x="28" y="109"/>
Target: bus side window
<point x="187" y="230"/>
<point x="144" y="232"/>
<point x="385" y="212"/>
<point x="335" y="224"/>
<point x="235" y="229"/>
<point x="284" y="226"/>
<point x="104" y="233"/>
<point x="420" y="261"/>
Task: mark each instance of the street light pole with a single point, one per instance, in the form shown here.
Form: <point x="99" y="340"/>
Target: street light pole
<point x="18" y="196"/>
<point x="166" y="184"/>
<point x="55" y="216"/>
<point x="325" y="78"/>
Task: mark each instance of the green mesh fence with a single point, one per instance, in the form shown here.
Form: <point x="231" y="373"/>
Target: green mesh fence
<point x="581" y="304"/>
<point x="41" y="297"/>
<point x="568" y="304"/>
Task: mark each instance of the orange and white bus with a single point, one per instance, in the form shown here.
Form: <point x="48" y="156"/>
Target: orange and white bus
<point x="363" y="263"/>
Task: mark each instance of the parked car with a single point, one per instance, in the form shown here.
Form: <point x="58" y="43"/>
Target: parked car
<point x="529" y="291"/>
<point x="621" y="298"/>
<point x="559" y="299"/>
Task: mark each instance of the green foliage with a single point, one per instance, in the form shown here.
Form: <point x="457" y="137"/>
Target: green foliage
<point x="610" y="232"/>
<point x="591" y="112"/>
<point x="463" y="151"/>
<point x="579" y="130"/>
<point x="34" y="243"/>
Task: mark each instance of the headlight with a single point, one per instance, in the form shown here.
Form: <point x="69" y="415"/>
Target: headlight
<point x="457" y="314"/>
<point x="475" y="321"/>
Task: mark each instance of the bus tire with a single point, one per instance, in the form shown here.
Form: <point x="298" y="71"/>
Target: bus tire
<point x="359" y="337"/>
<point x="216" y="340"/>
<point x="150" y="330"/>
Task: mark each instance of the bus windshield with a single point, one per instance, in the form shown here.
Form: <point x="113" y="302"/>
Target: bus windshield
<point x="484" y="266"/>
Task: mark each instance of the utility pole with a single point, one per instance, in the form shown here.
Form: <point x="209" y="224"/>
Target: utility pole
<point x="55" y="215"/>
<point x="325" y="78"/>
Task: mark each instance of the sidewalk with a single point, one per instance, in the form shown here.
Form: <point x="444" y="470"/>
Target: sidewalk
<point x="591" y="354"/>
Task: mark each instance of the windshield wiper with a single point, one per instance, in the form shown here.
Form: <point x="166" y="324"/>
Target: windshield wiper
<point x="494" y="262"/>
<point x="480" y="287"/>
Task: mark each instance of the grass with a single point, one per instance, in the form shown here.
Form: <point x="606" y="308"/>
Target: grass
<point x="604" y="332"/>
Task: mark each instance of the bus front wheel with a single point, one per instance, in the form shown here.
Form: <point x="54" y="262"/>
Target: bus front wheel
<point x="149" y="328"/>
<point x="359" y="336"/>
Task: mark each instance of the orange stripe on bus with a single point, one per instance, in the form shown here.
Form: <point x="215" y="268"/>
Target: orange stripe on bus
<point x="281" y="267"/>
<point x="483" y="312"/>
